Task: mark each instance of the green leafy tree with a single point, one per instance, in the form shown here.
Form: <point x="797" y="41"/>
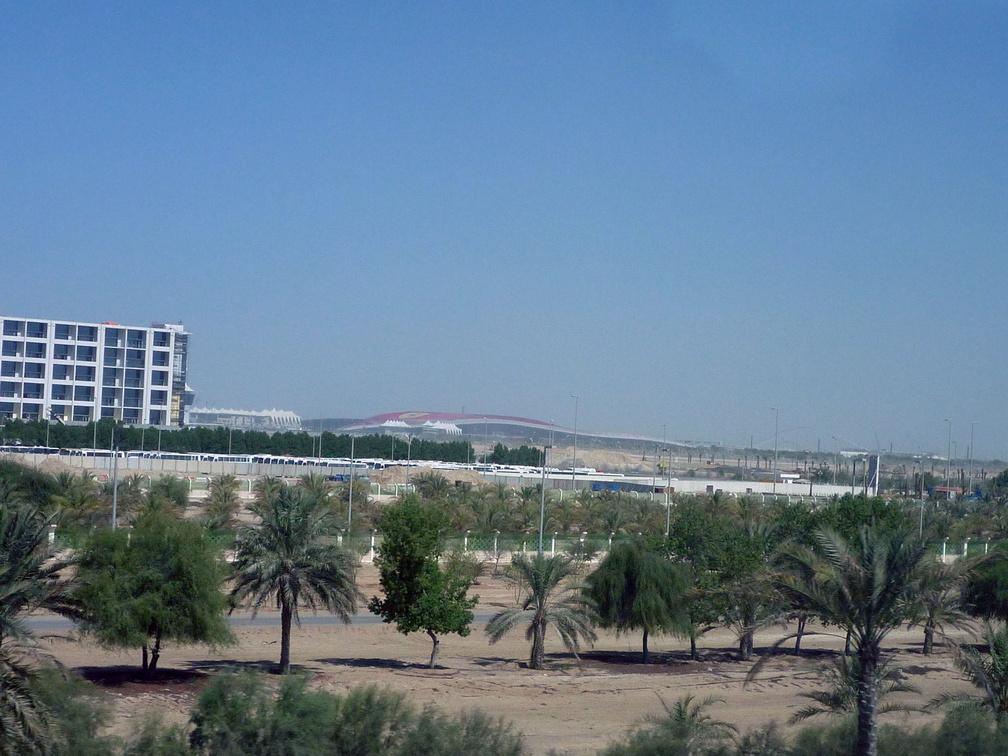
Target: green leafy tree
<point x="25" y="723"/>
<point x="547" y="596"/>
<point x="289" y="557"/>
<point x="637" y="589"/>
<point x="419" y="595"/>
<point x="866" y="587"/>
<point x="939" y="598"/>
<point x="160" y="582"/>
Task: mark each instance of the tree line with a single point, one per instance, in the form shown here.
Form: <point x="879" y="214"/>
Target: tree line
<point x="856" y="564"/>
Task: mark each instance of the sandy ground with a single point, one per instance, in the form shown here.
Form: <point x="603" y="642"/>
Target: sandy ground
<point x="576" y="706"/>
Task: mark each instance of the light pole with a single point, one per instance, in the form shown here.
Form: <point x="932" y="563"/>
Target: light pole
<point x="972" y="426"/>
<point x="115" y="476"/>
<point x="836" y="457"/>
<point x="409" y="456"/>
<point x="574" y="463"/>
<point x="775" y="426"/>
<point x="948" y="460"/>
<point x="542" y="498"/>
<point x="349" y="514"/>
<point x="668" y="493"/>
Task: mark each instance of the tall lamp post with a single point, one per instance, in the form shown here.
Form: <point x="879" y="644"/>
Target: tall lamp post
<point x="115" y="475"/>
<point x="574" y="463"/>
<point x="776" y="423"/>
<point x="668" y="494"/>
<point x="972" y="426"/>
<point x="542" y="497"/>
<point x="349" y="514"/>
<point x="948" y="462"/>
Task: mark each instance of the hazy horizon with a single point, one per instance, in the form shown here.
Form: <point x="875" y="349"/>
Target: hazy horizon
<point x="686" y="214"/>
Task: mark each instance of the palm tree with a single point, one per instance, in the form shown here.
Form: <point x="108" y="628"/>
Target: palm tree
<point x="867" y="588"/>
<point x="939" y="598"/>
<point x="545" y="600"/>
<point x="684" y="728"/>
<point x="24" y="719"/>
<point x="29" y="579"/>
<point x="289" y="557"/>
<point x="987" y="672"/>
<point x="222" y="505"/>
<point x="319" y="486"/>
<point x="432" y="486"/>
<point x="841" y="694"/>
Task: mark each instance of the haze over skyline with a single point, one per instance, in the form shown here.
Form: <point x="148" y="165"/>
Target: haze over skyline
<point x="685" y="214"/>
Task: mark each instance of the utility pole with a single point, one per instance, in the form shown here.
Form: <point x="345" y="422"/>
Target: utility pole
<point x="574" y="463"/>
<point x="775" y="426"/>
<point x="349" y="516"/>
<point x="542" y="497"/>
<point x="115" y="475"/>
<point x="972" y="426"/>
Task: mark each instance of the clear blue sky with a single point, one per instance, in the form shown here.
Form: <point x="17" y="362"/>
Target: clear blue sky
<point x="684" y="213"/>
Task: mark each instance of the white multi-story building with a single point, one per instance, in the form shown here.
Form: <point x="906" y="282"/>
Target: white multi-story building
<point x="79" y="372"/>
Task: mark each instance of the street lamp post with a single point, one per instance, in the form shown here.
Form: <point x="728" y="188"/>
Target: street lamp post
<point x="349" y="515"/>
<point x="542" y="498"/>
<point x="775" y="426"/>
<point x="948" y="461"/>
<point x="668" y="494"/>
<point x="972" y="426"/>
<point x="115" y="476"/>
<point x="574" y="463"/>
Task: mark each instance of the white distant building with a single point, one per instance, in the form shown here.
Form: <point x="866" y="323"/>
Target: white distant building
<point x="272" y="419"/>
<point x="81" y="372"/>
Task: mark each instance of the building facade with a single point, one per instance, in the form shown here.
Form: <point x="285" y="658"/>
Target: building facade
<point x="79" y="372"/>
<point x="265" y="420"/>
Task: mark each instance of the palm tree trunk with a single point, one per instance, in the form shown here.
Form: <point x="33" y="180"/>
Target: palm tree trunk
<point x="693" y="655"/>
<point x="928" y="638"/>
<point x="143" y="662"/>
<point x="285" y="638"/>
<point x="538" y="645"/>
<point x="645" y="654"/>
<point x="802" y="619"/>
<point x="846" y="647"/>
<point x="867" y="735"/>
<point x="434" y="651"/>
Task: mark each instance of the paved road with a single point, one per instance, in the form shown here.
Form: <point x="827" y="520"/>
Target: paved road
<point x="61" y="625"/>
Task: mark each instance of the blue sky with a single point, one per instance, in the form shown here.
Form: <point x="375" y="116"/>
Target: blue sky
<point x="684" y="213"/>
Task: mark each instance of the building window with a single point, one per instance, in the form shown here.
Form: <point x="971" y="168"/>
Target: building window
<point x="57" y="411"/>
<point x="162" y="339"/>
<point x="62" y="372"/>
<point x="131" y="416"/>
<point x="108" y="411"/>
<point x="32" y="391"/>
<point x="83" y="394"/>
<point x="85" y="373"/>
<point x="61" y="351"/>
<point x="108" y="396"/>
<point x="113" y="337"/>
<point x="112" y="356"/>
<point x="9" y="389"/>
<point x="87" y="353"/>
<point x="13" y="328"/>
<point x="81" y="414"/>
<point x="136" y="339"/>
<point x="36" y="330"/>
<point x="109" y="376"/>
<point x="6" y="410"/>
<point x="31" y="411"/>
<point x="159" y="378"/>
<point x="60" y="393"/>
<point x="157" y="417"/>
<point x="12" y="349"/>
<point x="133" y="398"/>
<point x="159" y="398"/>
<point x="160" y="359"/>
<point x="134" y="358"/>
<point x="134" y="378"/>
<point x="63" y="332"/>
<point x="10" y="369"/>
<point x="35" y="351"/>
<point x="34" y="370"/>
<point x="87" y="333"/>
